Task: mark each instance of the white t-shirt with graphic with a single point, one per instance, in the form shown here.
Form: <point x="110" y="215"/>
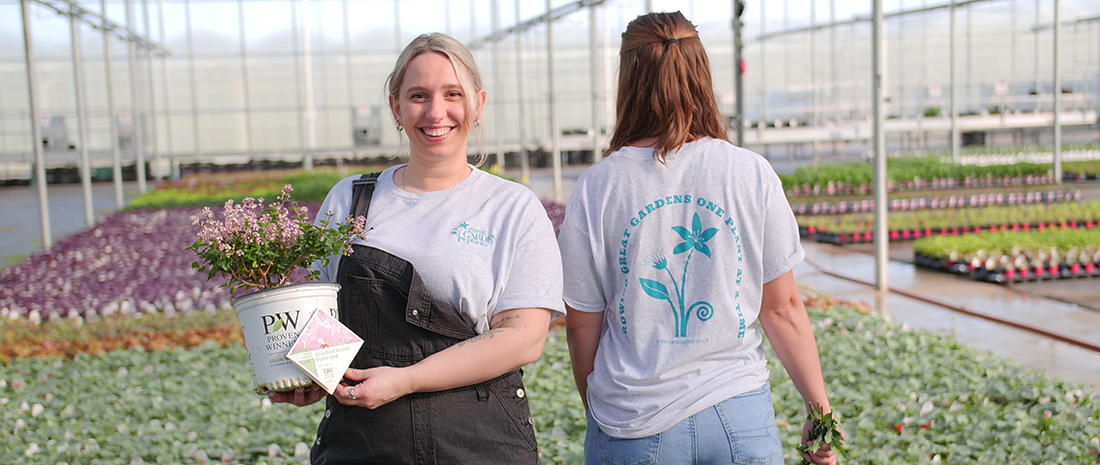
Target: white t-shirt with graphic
<point x="675" y="256"/>
<point x="484" y="246"/>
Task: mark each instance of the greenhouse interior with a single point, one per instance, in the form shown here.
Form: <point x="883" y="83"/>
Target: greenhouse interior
<point x="941" y="159"/>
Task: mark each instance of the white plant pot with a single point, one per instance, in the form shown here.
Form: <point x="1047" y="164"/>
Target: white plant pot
<point x="271" y="320"/>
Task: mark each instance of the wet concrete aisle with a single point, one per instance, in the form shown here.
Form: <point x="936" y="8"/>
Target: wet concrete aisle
<point x="1061" y="359"/>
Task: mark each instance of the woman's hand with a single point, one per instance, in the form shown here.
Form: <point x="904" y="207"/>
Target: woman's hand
<point x="377" y="387"/>
<point x="822" y="456"/>
<point x="300" y="397"/>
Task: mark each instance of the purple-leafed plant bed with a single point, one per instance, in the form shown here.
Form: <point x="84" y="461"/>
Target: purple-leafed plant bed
<point x="132" y="262"/>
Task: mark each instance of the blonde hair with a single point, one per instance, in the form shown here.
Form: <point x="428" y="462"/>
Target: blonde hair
<point x="665" y="87"/>
<point x="469" y="78"/>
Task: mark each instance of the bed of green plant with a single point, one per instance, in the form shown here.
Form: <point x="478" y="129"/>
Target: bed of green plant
<point x="958" y="217"/>
<point x="215" y="189"/>
<point x="906" y="396"/>
<point x="1003" y="242"/>
<point x="211" y="190"/>
<point x="907" y="168"/>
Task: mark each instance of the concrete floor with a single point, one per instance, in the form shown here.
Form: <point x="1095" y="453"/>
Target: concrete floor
<point x="1061" y="359"/>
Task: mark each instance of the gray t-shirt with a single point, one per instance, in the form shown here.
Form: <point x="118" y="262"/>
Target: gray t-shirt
<point x="484" y="246"/>
<point x="675" y="256"/>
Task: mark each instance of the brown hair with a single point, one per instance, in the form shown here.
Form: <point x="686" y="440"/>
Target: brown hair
<point x="665" y="86"/>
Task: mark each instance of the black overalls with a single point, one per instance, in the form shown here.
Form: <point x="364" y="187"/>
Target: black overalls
<point x="384" y="301"/>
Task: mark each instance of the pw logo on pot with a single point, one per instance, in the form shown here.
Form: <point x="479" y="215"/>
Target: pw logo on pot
<point x="279" y="321"/>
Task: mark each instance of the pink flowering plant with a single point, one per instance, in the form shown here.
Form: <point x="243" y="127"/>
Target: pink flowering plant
<point x="257" y="246"/>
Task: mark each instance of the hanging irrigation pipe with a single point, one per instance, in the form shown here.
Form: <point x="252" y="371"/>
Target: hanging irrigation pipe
<point x="960" y="309"/>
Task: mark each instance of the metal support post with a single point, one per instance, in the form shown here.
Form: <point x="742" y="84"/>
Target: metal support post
<point x="882" y="240"/>
<point x="594" y="75"/>
<point x="813" y="78"/>
<point x="524" y="162"/>
<point x="954" y="93"/>
<point x="36" y="132"/>
<point x="738" y="76"/>
<point x="167" y="102"/>
<point x="763" y="113"/>
<point x="196" y="134"/>
<point x="158" y="173"/>
<point x="1057" y="96"/>
<point x="112" y="115"/>
<point x="137" y="142"/>
<point x="81" y="116"/>
<point x="498" y="101"/>
<point x="310" y="113"/>
<point x="245" y="91"/>
<point x="555" y="131"/>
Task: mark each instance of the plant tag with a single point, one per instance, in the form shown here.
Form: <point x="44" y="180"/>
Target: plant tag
<point x="324" y="350"/>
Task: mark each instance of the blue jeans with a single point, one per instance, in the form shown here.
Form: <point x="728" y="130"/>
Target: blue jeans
<point x="739" y="430"/>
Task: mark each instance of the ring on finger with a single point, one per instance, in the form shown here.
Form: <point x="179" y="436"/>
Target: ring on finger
<point x="351" y="393"/>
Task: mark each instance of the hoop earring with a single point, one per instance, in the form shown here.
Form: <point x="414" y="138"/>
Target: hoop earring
<point x="400" y="127"/>
<point x="477" y="123"/>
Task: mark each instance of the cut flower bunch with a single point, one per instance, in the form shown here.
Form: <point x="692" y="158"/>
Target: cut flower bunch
<point x="258" y="247"/>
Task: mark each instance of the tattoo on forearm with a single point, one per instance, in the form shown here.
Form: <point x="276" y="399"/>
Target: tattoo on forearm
<point x="486" y="335"/>
<point x="501" y="321"/>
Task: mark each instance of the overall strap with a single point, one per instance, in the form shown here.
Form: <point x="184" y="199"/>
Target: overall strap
<point x="361" y="191"/>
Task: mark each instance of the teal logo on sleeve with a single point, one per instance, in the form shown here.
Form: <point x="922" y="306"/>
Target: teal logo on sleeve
<point x="693" y="240"/>
<point x="467" y="235"/>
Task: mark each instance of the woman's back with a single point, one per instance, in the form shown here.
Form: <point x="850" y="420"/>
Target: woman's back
<point x="678" y="253"/>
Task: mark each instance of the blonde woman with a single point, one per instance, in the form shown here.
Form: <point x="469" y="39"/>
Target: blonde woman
<point x="452" y="292"/>
<point x="675" y="245"/>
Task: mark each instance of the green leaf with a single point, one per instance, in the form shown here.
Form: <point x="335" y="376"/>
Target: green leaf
<point x="654" y="289"/>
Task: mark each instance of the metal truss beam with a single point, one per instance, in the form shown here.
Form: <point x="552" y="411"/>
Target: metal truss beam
<point x="552" y="15"/>
<point x="97" y="21"/>
<point x="863" y="19"/>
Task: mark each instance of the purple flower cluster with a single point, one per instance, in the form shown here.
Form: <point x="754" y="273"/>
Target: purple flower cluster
<point x="249" y="223"/>
<point x="556" y="212"/>
<point x="132" y="262"/>
<point x="257" y="246"/>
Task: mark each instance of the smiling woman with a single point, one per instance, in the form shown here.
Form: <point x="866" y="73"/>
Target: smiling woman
<point x="452" y="289"/>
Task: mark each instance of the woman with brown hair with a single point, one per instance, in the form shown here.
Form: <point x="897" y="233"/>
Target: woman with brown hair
<point x="452" y="291"/>
<point x="673" y="246"/>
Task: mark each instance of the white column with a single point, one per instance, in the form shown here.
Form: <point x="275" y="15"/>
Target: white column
<point x="36" y="132"/>
<point x="1057" y="97"/>
<point x="882" y="239"/>
<point x="498" y="89"/>
<point x="524" y="163"/>
<point x="135" y="105"/>
<point x="555" y="131"/>
<point x="954" y="93"/>
<point x="158" y="173"/>
<point x="81" y="116"/>
<point x="594" y="75"/>
<point x="112" y="115"/>
<point x="310" y="113"/>
<point x="167" y="102"/>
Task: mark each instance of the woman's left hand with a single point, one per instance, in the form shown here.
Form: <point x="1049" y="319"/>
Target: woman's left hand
<point x="822" y="456"/>
<point x="377" y="386"/>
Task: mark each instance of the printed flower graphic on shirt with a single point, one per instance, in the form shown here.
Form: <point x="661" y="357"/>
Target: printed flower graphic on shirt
<point x="694" y="239"/>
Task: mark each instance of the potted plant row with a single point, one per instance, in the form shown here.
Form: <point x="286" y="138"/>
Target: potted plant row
<point x="921" y="203"/>
<point x="1014" y="257"/>
<point x="915" y="173"/>
<point x="855" y="228"/>
<point x="911" y="173"/>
